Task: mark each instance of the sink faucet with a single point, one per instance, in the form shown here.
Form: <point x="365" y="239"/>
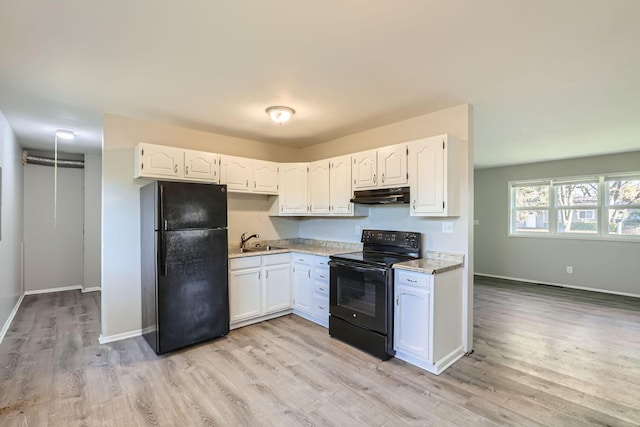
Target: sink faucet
<point x="244" y="239"/>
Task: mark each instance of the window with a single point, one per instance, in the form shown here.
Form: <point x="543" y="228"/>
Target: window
<point x="605" y="206"/>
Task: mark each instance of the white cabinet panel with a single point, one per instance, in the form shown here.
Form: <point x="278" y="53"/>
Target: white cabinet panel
<point x="302" y="288"/>
<point x="340" y="191"/>
<point x="158" y="161"/>
<point x="411" y="323"/>
<point x="236" y="172"/>
<point x="364" y="170"/>
<point x="433" y="176"/>
<point x="200" y="165"/>
<point x="293" y="188"/>
<point x="392" y="165"/>
<point x="277" y="288"/>
<point x="319" y="188"/>
<point x="265" y="177"/>
<point x="244" y="294"/>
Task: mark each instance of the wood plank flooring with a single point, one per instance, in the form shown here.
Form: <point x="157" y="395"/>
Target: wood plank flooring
<point x="543" y="357"/>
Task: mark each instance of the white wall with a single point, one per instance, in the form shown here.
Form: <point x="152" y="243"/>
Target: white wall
<point x="455" y="121"/>
<point x="609" y="266"/>
<point x="121" y="208"/>
<point x="92" y="219"/>
<point x="53" y="252"/>
<point x="11" y="223"/>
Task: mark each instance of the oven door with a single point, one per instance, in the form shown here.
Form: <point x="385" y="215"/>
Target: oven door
<point x="360" y="295"/>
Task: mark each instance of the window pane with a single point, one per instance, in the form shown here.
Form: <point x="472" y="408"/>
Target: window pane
<point x="531" y="196"/>
<point x="532" y="221"/>
<point x="623" y="192"/>
<point x="577" y="221"/>
<point x="578" y="194"/>
<point x="624" y="222"/>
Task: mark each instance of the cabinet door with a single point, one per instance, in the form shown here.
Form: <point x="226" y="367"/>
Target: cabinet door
<point x="265" y="177"/>
<point x="244" y="294"/>
<point x="199" y="165"/>
<point x="319" y="187"/>
<point x="426" y="176"/>
<point x="302" y="288"/>
<point x="364" y="170"/>
<point x="392" y="166"/>
<point x="340" y="191"/>
<point x="236" y="172"/>
<point x="277" y="288"/>
<point x="159" y="161"/>
<point x="411" y="321"/>
<point x="293" y="188"/>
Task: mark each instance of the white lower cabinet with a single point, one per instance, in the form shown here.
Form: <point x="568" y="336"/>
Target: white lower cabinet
<point x="310" y="283"/>
<point x="259" y="288"/>
<point x="427" y="329"/>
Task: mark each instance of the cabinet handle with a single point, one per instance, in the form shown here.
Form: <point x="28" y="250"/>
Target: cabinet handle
<point x="258" y="274"/>
<point x="266" y="274"/>
<point x="175" y="168"/>
<point x="309" y="274"/>
<point x="374" y="178"/>
<point x="300" y="259"/>
<point x="398" y="300"/>
<point x="322" y="289"/>
<point x="322" y="277"/>
<point x="383" y="178"/>
<point x="246" y="183"/>
<point x="321" y="307"/>
<point x="254" y="184"/>
<point x="186" y="170"/>
<point x="412" y="281"/>
<point x="414" y="204"/>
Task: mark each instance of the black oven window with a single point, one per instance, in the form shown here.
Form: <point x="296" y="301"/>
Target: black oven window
<point x="357" y="295"/>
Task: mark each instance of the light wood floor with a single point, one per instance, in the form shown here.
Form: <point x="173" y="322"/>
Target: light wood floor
<point x="543" y="356"/>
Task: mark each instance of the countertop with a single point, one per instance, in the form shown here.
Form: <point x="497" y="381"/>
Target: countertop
<point x="305" y="246"/>
<point x="434" y="263"/>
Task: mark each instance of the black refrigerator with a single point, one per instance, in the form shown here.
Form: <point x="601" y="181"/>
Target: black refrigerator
<point x="185" y="294"/>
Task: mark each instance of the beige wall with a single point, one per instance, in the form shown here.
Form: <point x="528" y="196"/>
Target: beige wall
<point x="11" y="223"/>
<point x="120" y="208"/>
<point x="454" y="121"/>
<point x="606" y="265"/>
<point x="92" y="219"/>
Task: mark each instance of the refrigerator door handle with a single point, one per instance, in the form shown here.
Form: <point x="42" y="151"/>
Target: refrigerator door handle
<point x="163" y="255"/>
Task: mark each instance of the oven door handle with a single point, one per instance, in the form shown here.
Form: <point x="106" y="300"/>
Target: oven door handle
<point x="358" y="267"/>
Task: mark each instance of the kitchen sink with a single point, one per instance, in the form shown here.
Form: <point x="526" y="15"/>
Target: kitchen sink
<point x="259" y="249"/>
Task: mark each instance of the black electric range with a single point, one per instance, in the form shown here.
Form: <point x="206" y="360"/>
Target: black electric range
<point x="361" y="289"/>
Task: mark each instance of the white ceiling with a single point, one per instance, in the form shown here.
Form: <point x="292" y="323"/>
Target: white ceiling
<point x="547" y="78"/>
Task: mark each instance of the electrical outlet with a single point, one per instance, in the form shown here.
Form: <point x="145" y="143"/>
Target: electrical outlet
<point x="447" y="227"/>
<point x="569" y="269"/>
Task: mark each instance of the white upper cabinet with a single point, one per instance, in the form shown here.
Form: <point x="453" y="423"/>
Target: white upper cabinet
<point x="236" y="172"/>
<point x="158" y="161"/>
<point x="200" y="165"/>
<point x="248" y="175"/>
<point x="340" y="191"/>
<point x="434" y="164"/>
<point x="392" y="166"/>
<point x="319" y="187"/>
<point x="265" y="177"/>
<point x="293" y="189"/>
<point x="364" y="170"/>
<point x="385" y="167"/>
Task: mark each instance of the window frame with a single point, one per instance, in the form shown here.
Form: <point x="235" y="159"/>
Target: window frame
<point x="601" y="208"/>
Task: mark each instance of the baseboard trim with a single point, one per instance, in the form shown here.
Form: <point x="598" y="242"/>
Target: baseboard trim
<point x="91" y="289"/>
<point x="562" y="285"/>
<point x="118" y="337"/>
<point x="47" y="291"/>
<point x="7" y="324"/>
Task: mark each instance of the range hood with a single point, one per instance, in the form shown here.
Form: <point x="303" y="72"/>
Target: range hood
<point x="382" y="196"/>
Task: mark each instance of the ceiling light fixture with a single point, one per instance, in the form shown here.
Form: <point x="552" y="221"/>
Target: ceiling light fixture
<point x="65" y="134"/>
<point x="280" y="114"/>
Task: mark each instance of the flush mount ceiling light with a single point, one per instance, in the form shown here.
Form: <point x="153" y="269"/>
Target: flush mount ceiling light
<point x="280" y="114"/>
<point x="65" y="134"/>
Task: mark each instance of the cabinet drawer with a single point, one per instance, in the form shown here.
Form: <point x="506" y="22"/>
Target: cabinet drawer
<point x="277" y="259"/>
<point x="244" y="262"/>
<point x="321" y="288"/>
<point x="320" y="305"/>
<point x="301" y="258"/>
<point x="416" y="280"/>
<point x="321" y="274"/>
